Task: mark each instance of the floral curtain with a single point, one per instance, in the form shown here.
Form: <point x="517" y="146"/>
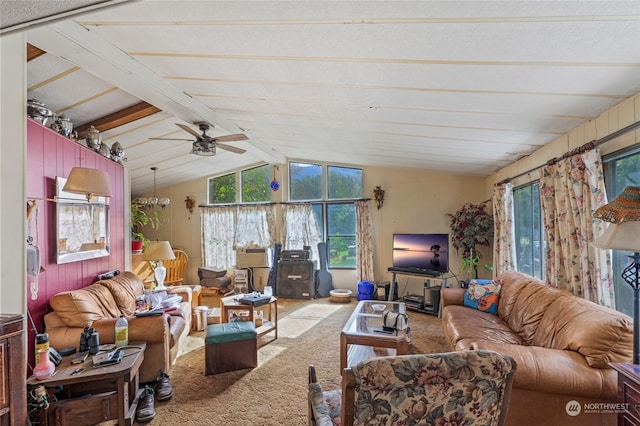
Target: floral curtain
<point x="217" y="234"/>
<point x="571" y="190"/>
<point x="300" y="228"/>
<point x="504" y="245"/>
<point x="364" y="241"/>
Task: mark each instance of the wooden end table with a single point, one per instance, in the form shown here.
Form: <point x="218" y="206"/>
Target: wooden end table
<point x="228" y="305"/>
<point x="92" y="395"/>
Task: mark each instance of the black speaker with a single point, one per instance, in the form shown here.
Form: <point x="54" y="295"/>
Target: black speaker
<point x="296" y="280"/>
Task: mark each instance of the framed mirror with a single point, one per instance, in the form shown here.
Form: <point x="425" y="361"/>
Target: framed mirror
<point x="82" y="227"/>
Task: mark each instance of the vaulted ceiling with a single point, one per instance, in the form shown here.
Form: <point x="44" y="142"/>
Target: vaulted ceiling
<point x="468" y="86"/>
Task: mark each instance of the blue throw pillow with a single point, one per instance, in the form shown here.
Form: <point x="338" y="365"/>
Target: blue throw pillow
<point x="483" y="295"/>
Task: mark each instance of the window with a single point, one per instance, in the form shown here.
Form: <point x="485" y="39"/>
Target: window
<point x="336" y="220"/>
<point x="621" y="170"/>
<point x="255" y="184"/>
<point x="222" y="189"/>
<point x="305" y="182"/>
<point x="529" y="238"/>
<point x="341" y="235"/>
<point x="344" y="183"/>
<point x="254" y="187"/>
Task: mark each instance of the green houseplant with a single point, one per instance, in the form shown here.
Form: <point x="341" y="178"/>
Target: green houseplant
<point x="471" y="226"/>
<point x="138" y="220"/>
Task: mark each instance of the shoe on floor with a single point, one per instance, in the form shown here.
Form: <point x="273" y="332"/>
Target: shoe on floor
<point x="146" y="411"/>
<point x="164" y="391"/>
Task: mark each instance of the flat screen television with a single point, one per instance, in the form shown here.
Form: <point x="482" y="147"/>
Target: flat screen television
<point x="421" y="252"/>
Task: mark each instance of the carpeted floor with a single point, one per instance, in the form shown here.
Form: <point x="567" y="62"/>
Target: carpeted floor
<point x="275" y="392"/>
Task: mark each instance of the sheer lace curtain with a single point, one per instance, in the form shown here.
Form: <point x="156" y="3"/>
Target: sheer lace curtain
<point x="571" y="190"/>
<point x="504" y="245"/>
<point x="218" y="227"/>
<point x="300" y="228"/>
<point x="226" y="228"/>
<point x="364" y="241"/>
<point x="256" y="226"/>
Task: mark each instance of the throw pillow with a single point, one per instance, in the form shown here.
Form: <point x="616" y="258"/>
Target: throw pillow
<point x="483" y="295"/>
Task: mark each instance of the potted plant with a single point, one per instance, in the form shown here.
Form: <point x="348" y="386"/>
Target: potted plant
<point x="471" y="226"/>
<point x="139" y="219"/>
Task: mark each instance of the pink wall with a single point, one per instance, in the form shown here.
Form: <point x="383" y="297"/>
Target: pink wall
<point x="50" y="154"/>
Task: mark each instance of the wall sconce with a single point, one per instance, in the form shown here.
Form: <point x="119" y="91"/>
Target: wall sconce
<point x="190" y="203"/>
<point x="378" y="193"/>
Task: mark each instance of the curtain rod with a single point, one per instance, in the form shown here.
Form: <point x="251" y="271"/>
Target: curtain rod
<point x="586" y="147"/>
<point x="273" y="203"/>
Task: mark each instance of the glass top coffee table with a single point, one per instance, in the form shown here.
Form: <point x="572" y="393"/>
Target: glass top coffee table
<point x="361" y="338"/>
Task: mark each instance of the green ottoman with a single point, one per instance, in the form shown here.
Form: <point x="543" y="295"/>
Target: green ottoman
<point x="230" y="346"/>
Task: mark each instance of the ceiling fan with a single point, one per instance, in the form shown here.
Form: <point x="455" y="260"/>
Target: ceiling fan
<point x="204" y="144"/>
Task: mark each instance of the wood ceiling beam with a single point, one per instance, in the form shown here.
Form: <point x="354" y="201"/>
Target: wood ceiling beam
<point x="119" y="118"/>
<point x="33" y="52"/>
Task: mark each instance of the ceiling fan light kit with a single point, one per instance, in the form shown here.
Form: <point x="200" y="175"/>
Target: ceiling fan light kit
<point x="203" y="149"/>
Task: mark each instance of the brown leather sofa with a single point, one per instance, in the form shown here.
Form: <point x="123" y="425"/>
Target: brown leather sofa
<point x="561" y="343"/>
<point x="100" y="305"/>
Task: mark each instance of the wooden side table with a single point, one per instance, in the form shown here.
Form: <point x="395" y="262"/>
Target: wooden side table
<point x="93" y="395"/>
<point x="628" y="393"/>
<point x="270" y="323"/>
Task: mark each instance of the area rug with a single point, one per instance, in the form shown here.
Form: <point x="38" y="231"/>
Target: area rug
<point x="275" y="392"/>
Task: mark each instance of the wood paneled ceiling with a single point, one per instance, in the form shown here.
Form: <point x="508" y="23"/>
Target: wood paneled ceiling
<point x="465" y="87"/>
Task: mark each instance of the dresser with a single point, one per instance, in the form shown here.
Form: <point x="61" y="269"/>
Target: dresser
<point x="13" y="365"/>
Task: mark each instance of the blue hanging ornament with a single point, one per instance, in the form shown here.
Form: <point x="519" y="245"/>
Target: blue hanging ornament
<point x="275" y="185"/>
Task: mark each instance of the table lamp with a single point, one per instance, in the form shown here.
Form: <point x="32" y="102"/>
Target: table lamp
<point x="157" y="251"/>
<point x="624" y="234"/>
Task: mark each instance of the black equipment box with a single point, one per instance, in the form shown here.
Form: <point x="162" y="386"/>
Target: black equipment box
<point x="296" y="280"/>
<point x="294" y="255"/>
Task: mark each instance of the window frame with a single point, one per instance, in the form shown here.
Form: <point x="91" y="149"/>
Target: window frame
<point x="325" y="202"/>
<point x="541" y="249"/>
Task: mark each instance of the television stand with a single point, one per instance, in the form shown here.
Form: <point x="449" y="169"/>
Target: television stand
<point x="427" y="275"/>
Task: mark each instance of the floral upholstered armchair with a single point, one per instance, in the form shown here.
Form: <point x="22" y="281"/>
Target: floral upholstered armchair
<point x="463" y="387"/>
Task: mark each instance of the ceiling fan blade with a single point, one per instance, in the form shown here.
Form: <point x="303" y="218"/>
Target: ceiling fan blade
<point x="189" y="129"/>
<point x="171" y="139"/>
<point x="230" y="148"/>
<point x="231" y="138"/>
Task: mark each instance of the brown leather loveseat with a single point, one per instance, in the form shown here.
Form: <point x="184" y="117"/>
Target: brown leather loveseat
<point x="100" y="305"/>
<point x="561" y="343"/>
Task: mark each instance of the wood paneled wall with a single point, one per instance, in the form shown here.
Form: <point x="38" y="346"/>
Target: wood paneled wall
<point x="50" y="154"/>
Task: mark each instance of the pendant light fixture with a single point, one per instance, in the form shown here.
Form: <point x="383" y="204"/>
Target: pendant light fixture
<point x="153" y="201"/>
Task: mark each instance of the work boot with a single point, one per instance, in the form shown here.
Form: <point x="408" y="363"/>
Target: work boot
<point x="146" y="411"/>
<point x="164" y="391"/>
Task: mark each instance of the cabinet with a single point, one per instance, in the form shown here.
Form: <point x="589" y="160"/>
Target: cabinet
<point x="13" y="365"/>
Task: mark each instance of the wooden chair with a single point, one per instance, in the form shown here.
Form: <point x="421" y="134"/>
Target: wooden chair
<point x="176" y="267"/>
<point x="470" y="387"/>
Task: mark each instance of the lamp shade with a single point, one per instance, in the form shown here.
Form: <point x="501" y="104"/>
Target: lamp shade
<point x="620" y="236"/>
<point x="158" y="250"/>
<point x="624" y="208"/>
<point x="90" y="182"/>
